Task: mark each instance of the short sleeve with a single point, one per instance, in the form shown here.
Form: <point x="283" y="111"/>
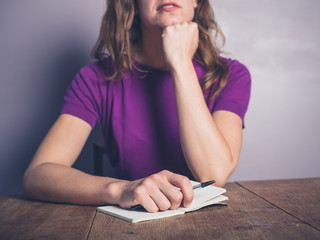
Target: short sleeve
<point x="236" y="94"/>
<point x="83" y="96"/>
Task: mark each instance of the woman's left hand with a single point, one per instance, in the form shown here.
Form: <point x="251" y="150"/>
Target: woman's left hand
<point x="180" y="42"/>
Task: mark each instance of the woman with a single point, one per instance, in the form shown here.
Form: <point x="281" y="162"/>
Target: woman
<point x="170" y="108"/>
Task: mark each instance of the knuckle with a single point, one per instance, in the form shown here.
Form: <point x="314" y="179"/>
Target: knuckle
<point x="154" y="179"/>
<point x="185" y="181"/>
<point x="164" y="172"/>
<point x="153" y="209"/>
<point x="148" y="182"/>
<point x="164" y="206"/>
<point x="138" y="193"/>
<point x="177" y="198"/>
<point x="194" y="27"/>
<point x="169" y="29"/>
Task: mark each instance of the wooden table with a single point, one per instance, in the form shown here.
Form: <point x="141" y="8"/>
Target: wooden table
<point x="278" y="209"/>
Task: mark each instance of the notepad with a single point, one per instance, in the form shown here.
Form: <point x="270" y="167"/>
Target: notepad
<point x="203" y="197"/>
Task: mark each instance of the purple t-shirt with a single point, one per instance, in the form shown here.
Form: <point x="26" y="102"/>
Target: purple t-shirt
<point x="138" y="114"/>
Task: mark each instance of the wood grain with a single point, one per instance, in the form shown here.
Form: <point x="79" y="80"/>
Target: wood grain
<point x="247" y="217"/>
<point x="24" y="219"/>
<point x="299" y="197"/>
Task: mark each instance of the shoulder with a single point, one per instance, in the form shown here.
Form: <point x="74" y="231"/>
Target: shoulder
<point x="237" y="70"/>
<point x="90" y="82"/>
<point x="87" y="93"/>
<point x="235" y="96"/>
<point x="238" y="75"/>
<point x="97" y="69"/>
<point x="235" y="66"/>
<point x="238" y="85"/>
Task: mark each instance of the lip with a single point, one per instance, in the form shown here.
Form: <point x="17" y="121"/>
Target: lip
<point x="161" y="6"/>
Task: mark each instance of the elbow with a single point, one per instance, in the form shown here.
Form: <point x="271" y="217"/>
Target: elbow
<point x="222" y="176"/>
<point x="33" y="181"/>
<point x="27" y="184"/>
<point x="221" y="181"/>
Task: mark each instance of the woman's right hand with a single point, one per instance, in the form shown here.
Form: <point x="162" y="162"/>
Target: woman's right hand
<point x="180" y="42"/>
<point x="156" y="192"/>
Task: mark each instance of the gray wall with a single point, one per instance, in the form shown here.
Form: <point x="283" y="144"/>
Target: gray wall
<point x="279" y="42"/>
<point x="44" y="43"/>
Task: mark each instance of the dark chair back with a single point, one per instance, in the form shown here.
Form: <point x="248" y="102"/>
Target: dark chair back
<point x="102" y="165"/>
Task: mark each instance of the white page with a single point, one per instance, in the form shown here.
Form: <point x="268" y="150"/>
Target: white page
<point x="137" y="215"/>
<point x="202" y="197"/>
<point x="217" y="200"/>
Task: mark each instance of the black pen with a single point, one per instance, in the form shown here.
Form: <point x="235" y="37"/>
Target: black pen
<point x="200" y="185"/>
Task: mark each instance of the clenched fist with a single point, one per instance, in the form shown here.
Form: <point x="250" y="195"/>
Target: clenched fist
<point x="180" y="42"/>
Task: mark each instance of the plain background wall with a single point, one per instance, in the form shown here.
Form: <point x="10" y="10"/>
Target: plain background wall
<point x="43" y="44"/>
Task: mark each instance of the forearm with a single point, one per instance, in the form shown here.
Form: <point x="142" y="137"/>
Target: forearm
<point x="58" y="183"/>
<point x="205" y="149"/>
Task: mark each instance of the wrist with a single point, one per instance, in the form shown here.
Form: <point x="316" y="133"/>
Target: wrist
<point x="113" y="191"/>
<point x="184" y="73"/>
<point x="182" y="68"/>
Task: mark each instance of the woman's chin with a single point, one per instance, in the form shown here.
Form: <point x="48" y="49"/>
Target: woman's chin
<point x="172" y="21"/>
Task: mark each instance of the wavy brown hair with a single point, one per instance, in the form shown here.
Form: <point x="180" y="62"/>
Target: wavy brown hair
<point x="121" y="30"/>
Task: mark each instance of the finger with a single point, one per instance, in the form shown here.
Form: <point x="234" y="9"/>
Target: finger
<point x="173" y="194"/>
<point x="142" y="196"/>
<point x="158" y="187"/>
<point x="151" y="187"/>
<point x="161" y="200"/>
<point x="185" y="187"/>
<point x="149" y="205"/>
